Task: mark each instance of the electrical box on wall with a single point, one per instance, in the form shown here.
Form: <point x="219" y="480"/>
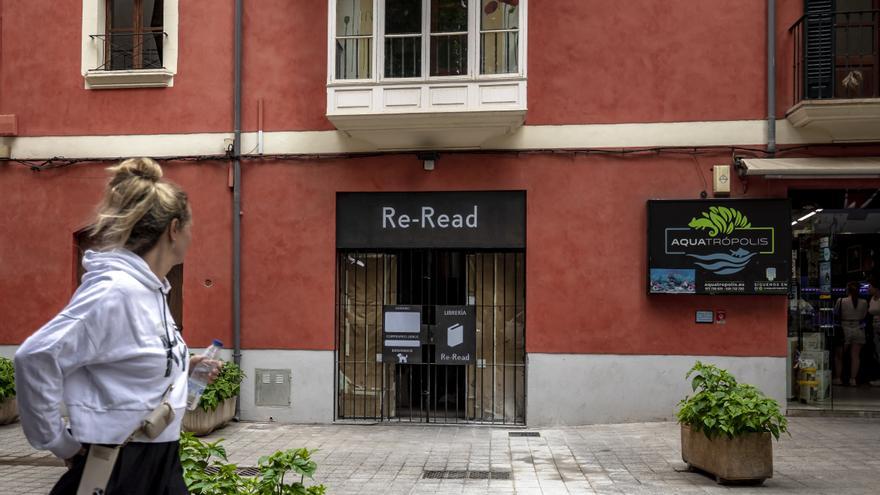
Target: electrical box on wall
<point x="721" y="180"/>
<point x="272" y="387"/>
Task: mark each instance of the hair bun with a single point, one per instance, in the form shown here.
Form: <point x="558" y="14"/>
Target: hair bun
<point x="144" y="168"/>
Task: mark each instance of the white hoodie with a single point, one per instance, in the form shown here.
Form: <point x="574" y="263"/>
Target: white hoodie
<point x="105" y="357"/>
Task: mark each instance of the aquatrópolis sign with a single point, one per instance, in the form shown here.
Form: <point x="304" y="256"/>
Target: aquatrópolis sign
<point x="732" y="246"/>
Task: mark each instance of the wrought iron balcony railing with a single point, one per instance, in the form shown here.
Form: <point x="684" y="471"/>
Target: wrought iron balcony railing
<point x="836" y="55"/>
<point x="131" y="51"/>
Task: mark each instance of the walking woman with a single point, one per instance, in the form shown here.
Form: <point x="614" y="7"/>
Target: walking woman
<point x="113" y="354"/>
<point x="851" y="310"/>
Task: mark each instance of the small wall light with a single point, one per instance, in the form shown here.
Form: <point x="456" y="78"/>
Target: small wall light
<point x="429" y="158"/>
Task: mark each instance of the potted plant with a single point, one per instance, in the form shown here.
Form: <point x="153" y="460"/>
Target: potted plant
<point x="217" y="404"/>
<point x="726" y="427"/>
<point x="8" y="407"/>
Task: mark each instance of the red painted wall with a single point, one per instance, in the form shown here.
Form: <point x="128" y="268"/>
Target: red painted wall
<point x="41" y="80"/>
<point x="589" y="61"/>
<point x="43" y="210"/>
<point x="285" y="56"/>
<point x="586" y="252"/>
<point x="594" y="61"/>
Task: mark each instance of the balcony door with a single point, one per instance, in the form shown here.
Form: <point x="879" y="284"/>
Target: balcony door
<point x="856" y="48"/>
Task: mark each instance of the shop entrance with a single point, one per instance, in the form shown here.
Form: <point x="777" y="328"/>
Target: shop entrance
<point x="491" y="390"/>
<point x="836" y="241"/>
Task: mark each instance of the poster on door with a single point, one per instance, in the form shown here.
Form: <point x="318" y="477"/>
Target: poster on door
<point x="455" y="335"/>
<point x="402" y="334"/>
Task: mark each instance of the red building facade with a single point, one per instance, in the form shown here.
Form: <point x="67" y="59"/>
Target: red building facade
<point x="595" y="109"/>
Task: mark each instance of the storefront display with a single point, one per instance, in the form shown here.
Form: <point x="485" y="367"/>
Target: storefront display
<point x="831" y="248"/>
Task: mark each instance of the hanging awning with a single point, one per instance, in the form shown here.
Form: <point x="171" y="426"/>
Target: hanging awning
<point x="812" y="168"/>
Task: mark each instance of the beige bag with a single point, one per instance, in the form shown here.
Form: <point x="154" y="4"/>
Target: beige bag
<point x="156" y="422"/>
<point x="99" y="467"/>
<point x="102" y="458"/>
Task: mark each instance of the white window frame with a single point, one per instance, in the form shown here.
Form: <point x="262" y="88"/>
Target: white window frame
<point x="94" y="22"/>
<point x="331" y="47"/>
<point x="378" y="48"/>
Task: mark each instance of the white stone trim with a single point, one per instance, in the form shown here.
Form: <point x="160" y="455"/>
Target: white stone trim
<point x="94" y="21"/>
<point x="8" y="351"/>
<point x="576" y="389"/>
<point x="147" y="78"/>
<point x="155" y="145"/>
<point x="562" y="389"/>
<point x="722" y="133"/>
<point x="312" y="391"/>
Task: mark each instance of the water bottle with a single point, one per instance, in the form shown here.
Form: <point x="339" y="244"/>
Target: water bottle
<point x="198" y="379"/>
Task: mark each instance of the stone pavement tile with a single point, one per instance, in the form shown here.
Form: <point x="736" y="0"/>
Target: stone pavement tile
<point x="822" y="455"/>
<point x="529" y="491"/>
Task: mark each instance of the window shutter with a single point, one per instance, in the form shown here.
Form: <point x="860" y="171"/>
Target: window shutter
<point x="819" y="49"/>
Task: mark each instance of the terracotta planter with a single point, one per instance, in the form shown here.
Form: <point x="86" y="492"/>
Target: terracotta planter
<point x="8" y="410"/>
<point x="201" y="422"/>
<point x="746" y="458"/>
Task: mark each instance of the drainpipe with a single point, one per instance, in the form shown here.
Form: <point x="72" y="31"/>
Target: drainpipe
<point x="771" y="77"/>
<point x="236" y="200"/>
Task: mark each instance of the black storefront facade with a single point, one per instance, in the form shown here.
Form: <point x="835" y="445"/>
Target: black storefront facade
<point x="430" y="307"/>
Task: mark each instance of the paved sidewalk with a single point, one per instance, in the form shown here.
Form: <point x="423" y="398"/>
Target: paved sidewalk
<point x="823" y="456"/>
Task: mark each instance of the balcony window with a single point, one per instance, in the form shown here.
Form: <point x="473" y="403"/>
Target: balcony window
<point x="836" y="50"/>
<point x="836" y="69"/>
<point x="354" y="39"/>
<point x="403" y="38"/>
<point x="129" y="43"/>
<point x="426" y="74"/>
<point x="425" y="39"/>
<point x="134" y="35"/>
<point x="499" y="36"/>
<point x="449" y="38"/>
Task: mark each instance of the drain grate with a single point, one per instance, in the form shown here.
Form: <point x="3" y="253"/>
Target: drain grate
<point x="242" y="471"/>
<point x="452" y="474"/>
<point x="523" y="434"/>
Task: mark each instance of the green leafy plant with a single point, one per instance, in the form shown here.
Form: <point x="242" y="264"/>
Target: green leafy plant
<point x="226" y="386"/>
<point x="7" y="378"/>
<point x="275" y="467"/>
<point x="722" y="406"/>
<point x="196" y="456"/>
<point x="720" y="220"/>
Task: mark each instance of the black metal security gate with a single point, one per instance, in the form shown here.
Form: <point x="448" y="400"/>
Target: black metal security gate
<point x="490" y="391"/>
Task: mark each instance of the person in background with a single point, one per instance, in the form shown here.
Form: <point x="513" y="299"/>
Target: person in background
<point x="114" y="352"/>
<point x="852" y="311"/>
<point x="874" y="311"/>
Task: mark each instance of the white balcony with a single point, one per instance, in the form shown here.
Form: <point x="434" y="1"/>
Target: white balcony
<point x="855" y="119"/>
<point x="448" y="115"/>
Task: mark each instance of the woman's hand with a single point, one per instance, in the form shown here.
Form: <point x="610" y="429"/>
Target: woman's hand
<point x="68" y="463"/>
<point x="215" y="366"/>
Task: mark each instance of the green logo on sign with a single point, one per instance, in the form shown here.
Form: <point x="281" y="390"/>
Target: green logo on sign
<point x="720" y="220"/>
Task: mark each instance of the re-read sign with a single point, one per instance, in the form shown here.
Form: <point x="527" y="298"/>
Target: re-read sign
<point x="428" y="219"/>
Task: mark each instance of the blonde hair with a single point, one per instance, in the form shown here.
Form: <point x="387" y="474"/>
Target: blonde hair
<point x="138" y="206"/>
